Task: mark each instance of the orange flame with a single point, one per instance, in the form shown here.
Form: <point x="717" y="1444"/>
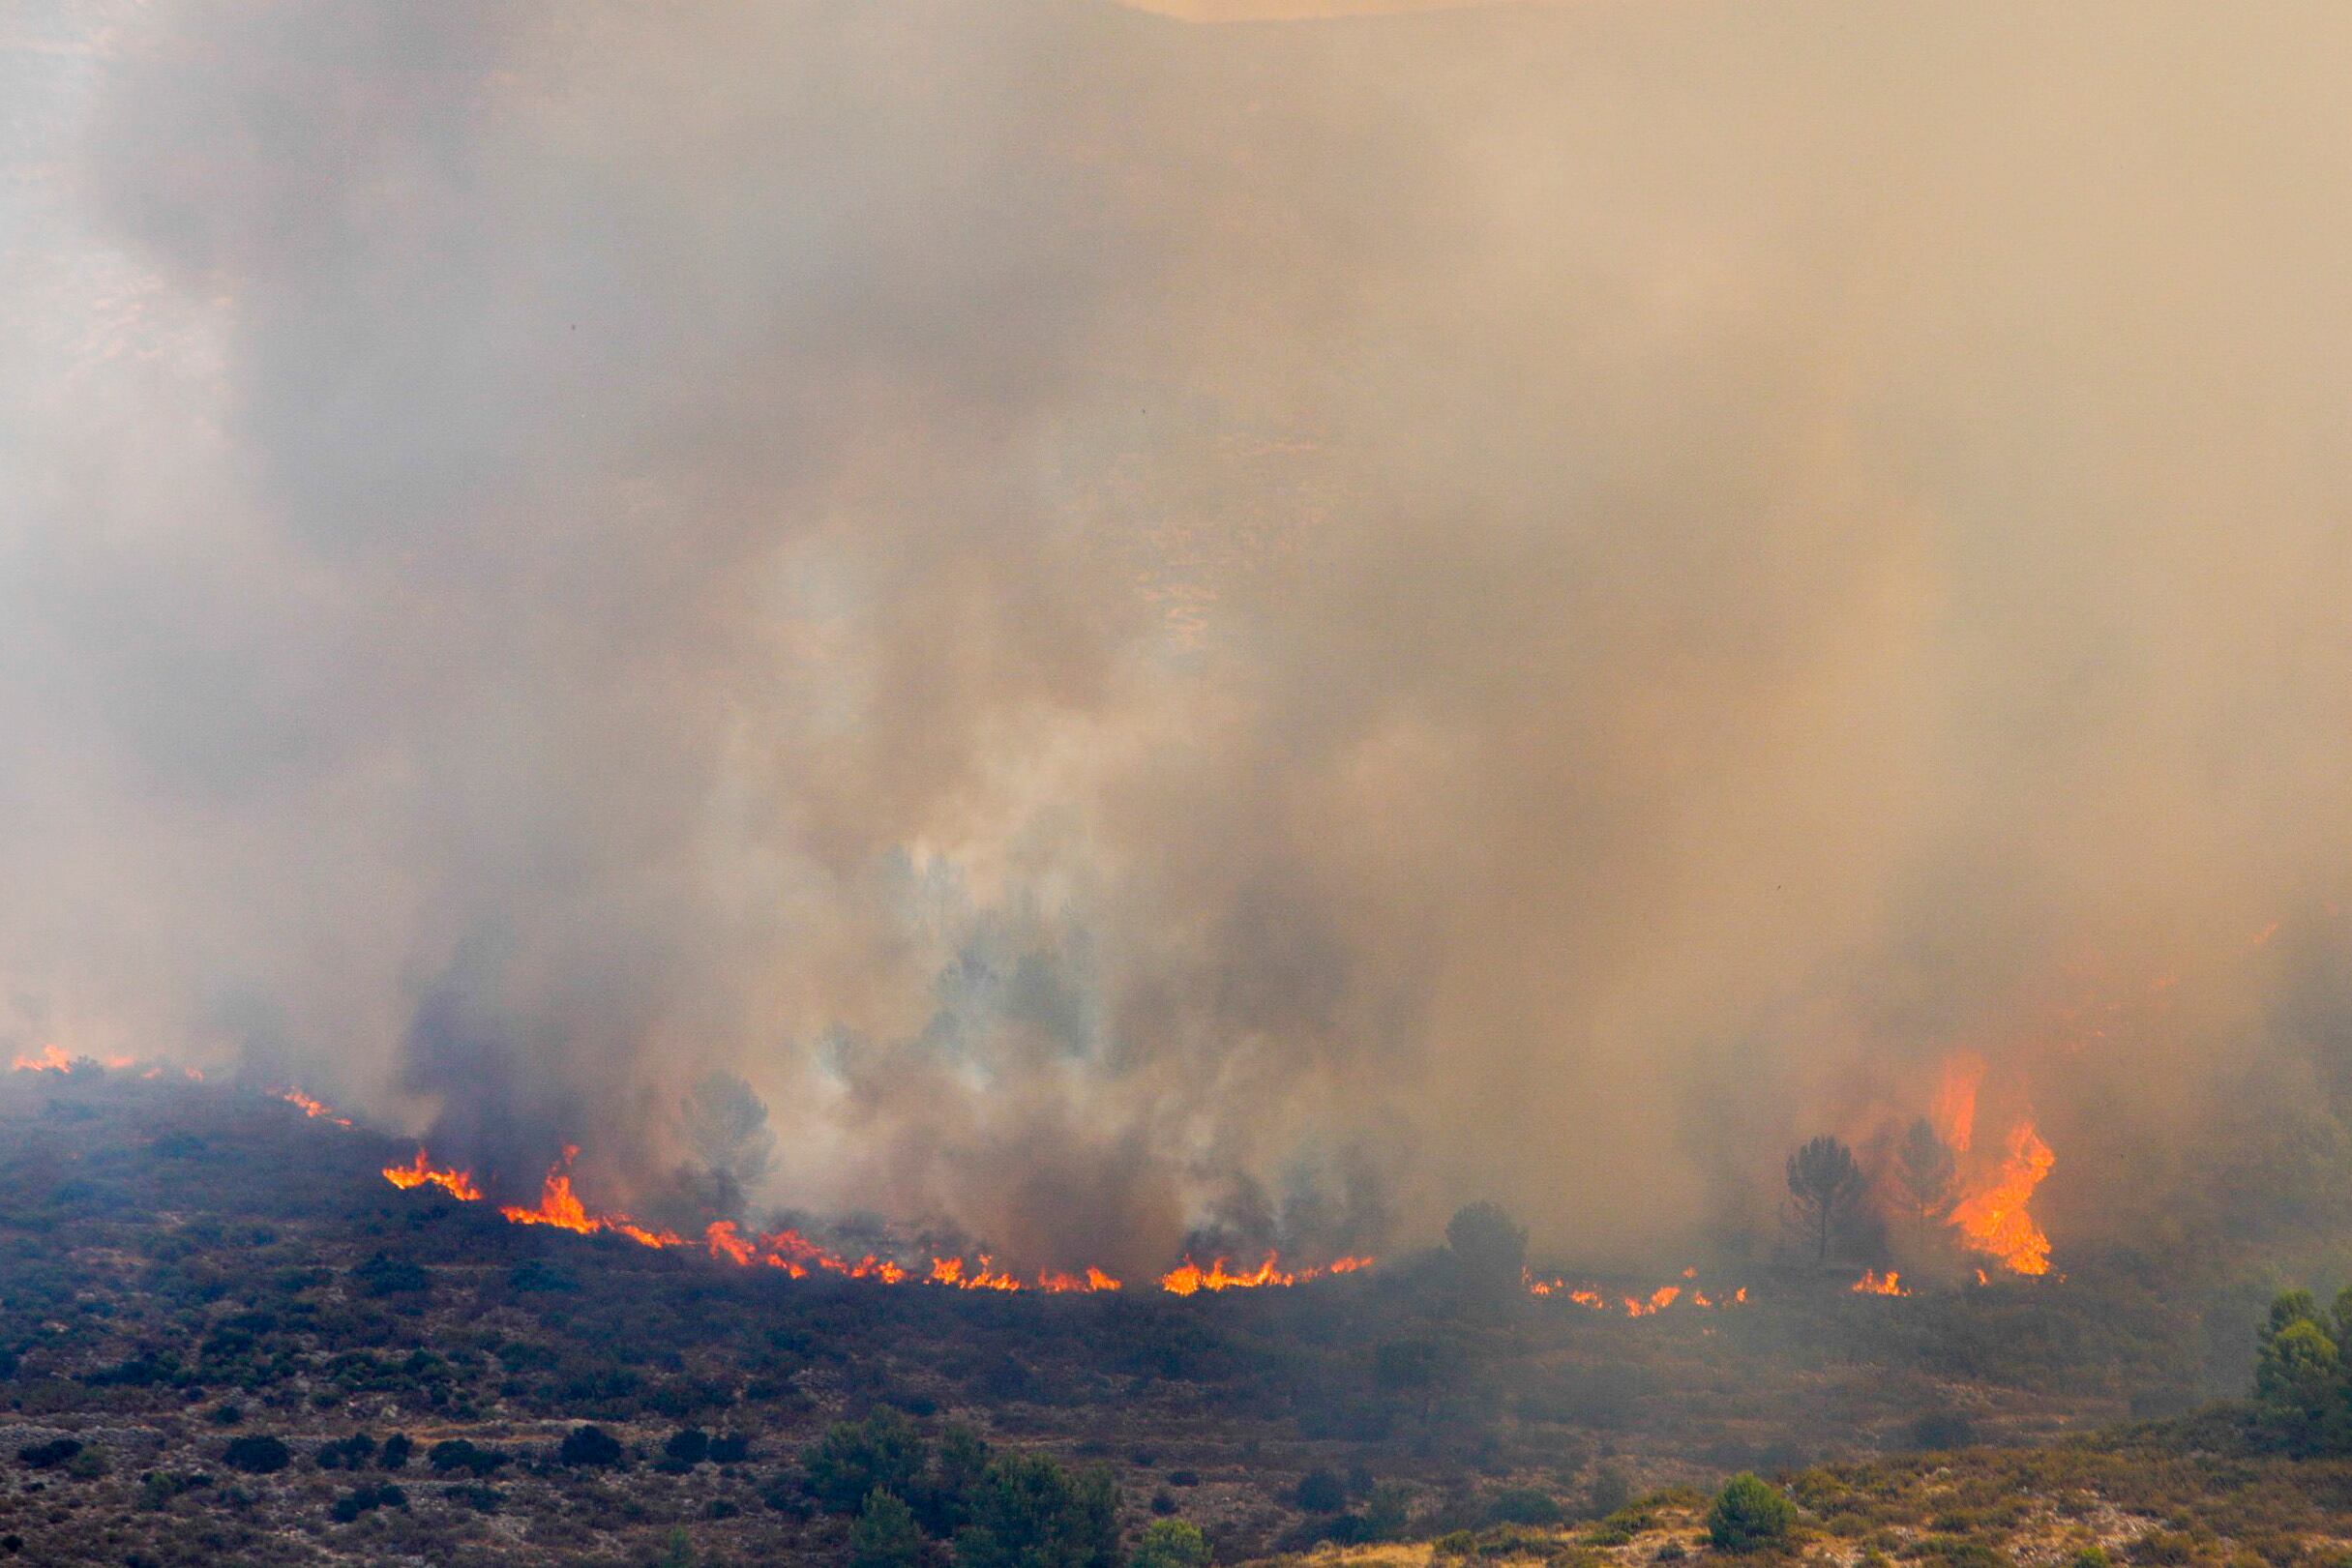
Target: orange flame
<point x="1094" y="1279"/>
<point x="1189" y="1277"/>
<point x="1657" y="1301"/>
<point x="795" y="1255"/>
<point x="52" y="1059"/>
<point x="458" y="1184"/>
<point x="1990" y="1215"/>
<point x="1993" y="1219"/>
<point x="1871" y="1285"/>
<point x="562" y="1207"/>
<point x="312" y="1107"/>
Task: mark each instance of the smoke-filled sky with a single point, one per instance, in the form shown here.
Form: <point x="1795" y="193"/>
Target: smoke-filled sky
<point x="1140" y="622"/>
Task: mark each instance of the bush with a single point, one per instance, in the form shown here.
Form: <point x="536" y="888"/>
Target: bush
<point x="1939" y="1430"/>
<point x="590" y="1446"/>
<point x="1171" y="1543"/>
<point x="886" y="1534"/>
<point x="852" y="1458"/>
<point x="1320" y="1492"/>
<point x="386" y="1276"/>
<point x="352" y="1453"/>
<point x="1750" y="1516"/>
<point x="456" y="1454"/>
<point x="690" y="1445"/>
<point x="396" y="1449"/>
<point x="531" y="1275"/>
<point x="367" y="1499"/>
<point x="49" y="1455"/>
<point x="1523" y="1505"/>
<point x="1607" y="1491"/>
<point x="729" y="1448"/>
<point x="1030" y="1510"/>
<point x="256" y="1456"/>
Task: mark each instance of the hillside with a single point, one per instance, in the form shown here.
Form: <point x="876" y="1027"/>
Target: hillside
<point x="186" y="1265"/>
<point x="2156" y="1495"/>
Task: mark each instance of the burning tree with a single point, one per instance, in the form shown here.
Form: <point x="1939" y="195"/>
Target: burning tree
<point x="1826" y="1187"/>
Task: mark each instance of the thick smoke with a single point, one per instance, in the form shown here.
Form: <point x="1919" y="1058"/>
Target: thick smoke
<point x="1167" y="631"/>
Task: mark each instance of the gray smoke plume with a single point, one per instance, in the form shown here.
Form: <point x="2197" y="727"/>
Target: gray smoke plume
<point x="1162" y="630"/>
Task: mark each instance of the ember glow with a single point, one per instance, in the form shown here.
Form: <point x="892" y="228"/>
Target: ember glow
<point x="312" y="1107"/>
<point x="1690" y="1295"/>
<point x="51" y="1058"/>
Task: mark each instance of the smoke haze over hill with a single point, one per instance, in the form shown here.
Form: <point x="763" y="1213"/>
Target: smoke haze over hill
<point x="1147" y="626"/>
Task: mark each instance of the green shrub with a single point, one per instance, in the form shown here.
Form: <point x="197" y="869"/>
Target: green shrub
<point x="852" y="1458"/>
<point x="1523" y="1505"/>
<point x="1171" y="1543"/>
<point x="456" y="1454"/>
<point x="1320" y="1492"/>
<point x="886" y="1534"/>
<point x="590" y="1446"/>
<point x="256" y="1456"/>
<point x="1030" y="1511"/>
<point x="1750" y="1516"/>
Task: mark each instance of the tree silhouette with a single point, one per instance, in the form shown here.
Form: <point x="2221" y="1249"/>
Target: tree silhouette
<point x="1489" y="1250"/>
<point x="1826" y="1187"/>
<point x="1927" y="1174"/>
<point x="726" y="1127"/>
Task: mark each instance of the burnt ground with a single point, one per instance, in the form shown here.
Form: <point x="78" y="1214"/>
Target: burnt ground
<point x="181" y="1266"/>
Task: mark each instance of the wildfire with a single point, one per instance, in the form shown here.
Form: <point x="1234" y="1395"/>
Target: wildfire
<point x="560" y="1207"/>
<point x="54" y="1059"/>
<point x="1871" y="1285"/>
<point x="1094" y="1279"/>
<point x="1994" y="1219"/>
<point x="458" y="1184"/>
<point x="1656" y="1302"/>
<point x="795" y="1255"/>
<point x="312" y="1107"/>
<point x="1991" y="1216"/>
<point x="1189" y="1278"/>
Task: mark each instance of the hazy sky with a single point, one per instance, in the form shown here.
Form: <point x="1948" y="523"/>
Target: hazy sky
<point x="1530" y="600"/>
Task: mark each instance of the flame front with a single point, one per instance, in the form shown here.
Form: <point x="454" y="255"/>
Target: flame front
<point x="1648" y="1306"/>
<point x="562" y="1207"/>
<point x="51" y="1058"/>
<point x="792" y="1254"/>
<point x="1871" y="1285"/>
